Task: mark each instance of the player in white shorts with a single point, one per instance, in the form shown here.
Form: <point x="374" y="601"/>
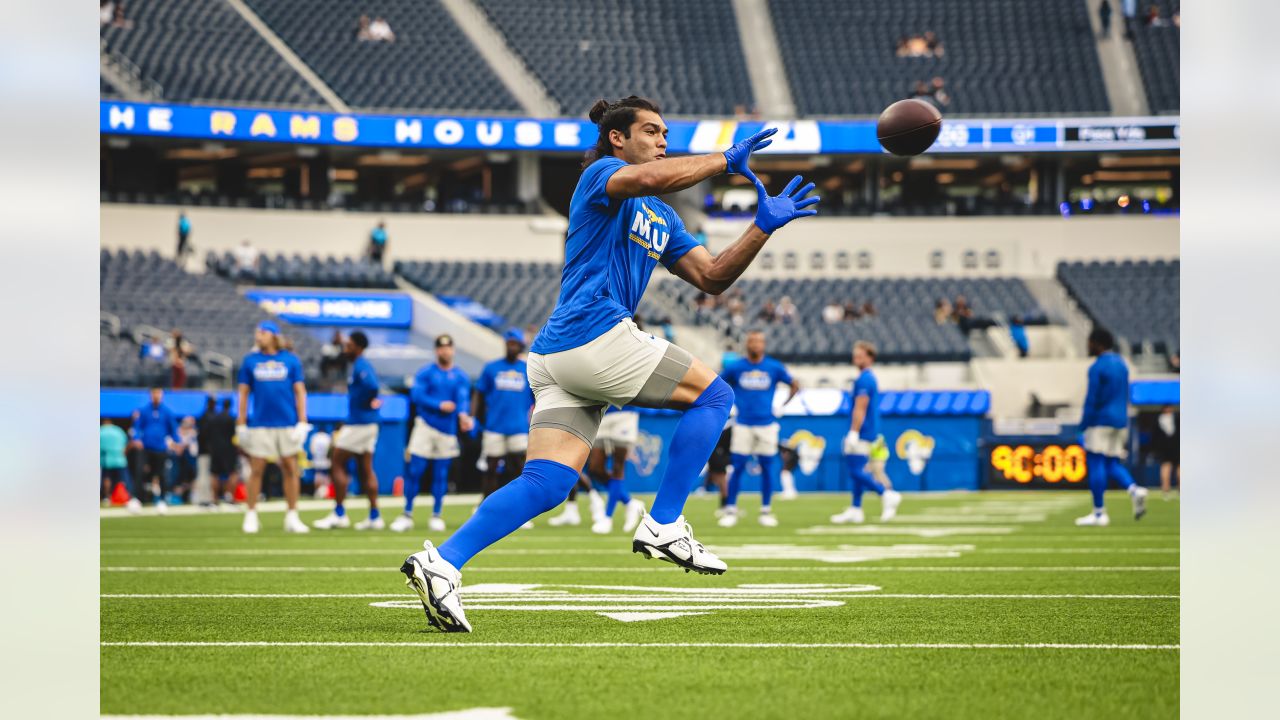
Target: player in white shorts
<point x="441" y="394"/>
<point x="619" y="431"/>
<point x="357" y="438"/>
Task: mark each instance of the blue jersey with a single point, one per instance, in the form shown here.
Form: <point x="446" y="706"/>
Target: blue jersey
<point x="507" y="397"/>
<point x="754" y="388"/>
<point x="271" y="379"/>
<point x="434" y="385"/>
<point x="611" y="251"/>
<point x="153" y="425"/>
<point x="1106" y="403"/>
<point x="362" y="390"/>
<point x="866" y="386"/>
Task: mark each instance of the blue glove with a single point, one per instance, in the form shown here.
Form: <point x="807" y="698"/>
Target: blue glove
<point x="735" y="158"/>
<point x="774" y="211"/>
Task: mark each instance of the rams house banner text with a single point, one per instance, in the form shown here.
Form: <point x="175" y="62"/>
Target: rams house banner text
<point x="795" y="137"/>
<point x="311" y="307"/>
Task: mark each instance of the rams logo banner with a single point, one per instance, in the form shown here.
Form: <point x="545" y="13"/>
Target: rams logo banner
<point x="392" y="310"/>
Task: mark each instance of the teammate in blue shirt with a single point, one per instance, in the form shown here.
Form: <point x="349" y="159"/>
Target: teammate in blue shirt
<point x="590" y="354"/>
<point x="155" y="430"/>
<point x="357" y="438"/>
<point x="1105" y="425"/>
<point x="754" y="380"/>
<point x="502" y="403"/>
<point x="864" y="429"/>
<point x="441" y="394"/>
<point x="272" y="423"/>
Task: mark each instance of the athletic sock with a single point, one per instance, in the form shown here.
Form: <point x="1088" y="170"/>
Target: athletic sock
<point x="696" y="436"/>
<point x="339" y="510"/>
<point x="541" y="487"/>
<point x="1096" y="467"/>
<point x="616" y="491"/>
<point x="768" y="473"/>
<point x="413" y="481"/>
<point x="439" y="484"/>
<point x="374" y="514"/>
<point x="735" y="478"/>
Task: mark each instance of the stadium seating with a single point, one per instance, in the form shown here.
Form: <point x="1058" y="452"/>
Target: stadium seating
<point x="146" y="289"/>
<point x="1002" y="57"/>
<point x="204" y="50"/>
<point x="904" y="328"/>
<point x="311" y="271"/>
<point x="523" y="294"/>
<point x="1157" y="51"/>
<point x="106" y="89"/>
<point x="1137" y="301"/>
<point x="431" y="65"/>
<point x="686" y="55"/>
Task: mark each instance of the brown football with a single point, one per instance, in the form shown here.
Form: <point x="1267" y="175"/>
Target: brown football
<point x="908" y="127"/>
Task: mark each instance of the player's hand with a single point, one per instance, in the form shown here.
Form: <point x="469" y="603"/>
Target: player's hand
<point x="466" y="423"/>
<point x="300" y="432"/>
<point x="774" y="211"/>
<point x="448" y="406"/>
<point x="735" y="158"/>
<point x="375" y="403"/>
<point x="240" y="433"/>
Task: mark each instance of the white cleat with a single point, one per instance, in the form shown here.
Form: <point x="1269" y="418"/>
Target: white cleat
<point x="162" y="507"/>
<point x="889" y="504"/>
<point x="570" y="516"/>
<point x="250" y="524"/>
<point x="720" y="511"/>
<point x="674" y="543"/>
<point x="603" y="526"/>
<point x="134" y="506"/>
<point x="851" y="515"/>
<point x="635" y="511"/>
<point x="294" y="524"/>
<point x="768" y="519"/>
<point x="597" y="505"/>
<point x="729" y="517"/>
<point x="1093" y="520"/>
<point x="527" y="526"/>
<point x="436" y="524"/>
<point x="1138" y="495"/>
<point x="403" y="523"/>
<point x="439" y="586"/>
<point x="332" y="521"/>
<point x="371" y="524"/>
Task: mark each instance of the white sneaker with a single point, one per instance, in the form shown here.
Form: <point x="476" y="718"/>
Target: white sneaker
<point x="371" y="524"/>
<point x="788" y="486"/>
<point x="850" y="515"/>
<point x="720" y="511"/>
<point x="602" y="526"/>
<point x="162" y="507"/>
<point x="294" y="524"/>
<point x="1138" y="495"/>
<point x="890" y="502"/>
<point x="439" y="586"/>
<point x="250" y="524"/>
<point x="332" y="521"/>
<point x="674" y="543"/>
<point x="570" y="516"/>
<point x="635" y="511"/>
<point x="403" y="523"/>
<point x="729" y="518"/>
<point x="134" y="506"/>
<point x="768" y="519"/>
<point x="436" y="524"/>
<point x="1093" y="520"/>
<point x="596" y="502"/>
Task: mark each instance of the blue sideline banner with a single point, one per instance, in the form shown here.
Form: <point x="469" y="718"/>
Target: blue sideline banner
<point x="795" y="137"/>
<point x="315" y="307"/>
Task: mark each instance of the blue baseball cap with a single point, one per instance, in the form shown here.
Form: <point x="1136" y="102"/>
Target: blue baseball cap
<point x="514" y="334"/>
<point x="270" y="326"/>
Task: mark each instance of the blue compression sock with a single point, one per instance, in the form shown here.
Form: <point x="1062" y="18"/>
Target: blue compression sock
<point x="542" y="486"/>
<point x="413" y="481"/>
<point x="374" y="514"/>
<point x="769" y="471"/>
<point x="339" y="510"/>
<point x="439" y="483"/>
<point x="735" y="479"/>
<point x="1118" y="472"/>
<point x="1096" y="467"/>
<point x="617" y="494"/>
<point x="695" y="438"/>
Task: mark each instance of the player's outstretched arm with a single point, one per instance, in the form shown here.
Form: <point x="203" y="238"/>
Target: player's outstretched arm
<point x="713" y="274"/>
<point x="675" y="174"/>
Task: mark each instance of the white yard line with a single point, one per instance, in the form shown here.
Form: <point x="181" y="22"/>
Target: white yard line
<point x="739" y="568"/>
<point x="252" y="552"/>
<point x="444" y="644"/>
<point x="911" y="596"/>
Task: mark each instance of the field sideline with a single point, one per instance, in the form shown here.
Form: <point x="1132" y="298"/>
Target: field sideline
<point x="966" y="605"/>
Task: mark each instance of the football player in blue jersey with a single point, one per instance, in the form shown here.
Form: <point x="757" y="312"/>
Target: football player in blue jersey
<point x="357" y="438"/>
<point x="864" y="428"/>
<point x="502" y="401"/>
<point x="590" y="354"/>
<point x="754" y="380"/>
<point x="1105" y="425"/>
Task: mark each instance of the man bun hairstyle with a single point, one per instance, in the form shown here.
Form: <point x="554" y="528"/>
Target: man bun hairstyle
<point x="619" y="116"/>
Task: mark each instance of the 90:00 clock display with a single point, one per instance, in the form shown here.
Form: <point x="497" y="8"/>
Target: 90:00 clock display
<point x="1053" y="463"/>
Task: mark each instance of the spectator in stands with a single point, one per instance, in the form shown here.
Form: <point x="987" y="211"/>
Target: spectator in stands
<point x="154" y="358"/>
<point x="106" y="11"/>
<point x="768" y="313"/>
<point x="938" y="91"/>
<point x="787" y="310"/>
<point x="1104" y="18"/>
<point x="933" y="45"/>
<point x="869" y="309"/>
<point x="702" y="306"/>
<point x="1018" y="332"/>
<point x="942" y="311"/>
<point x="921" y="91"/>
<point x="362" y="29"/>
<point x="832" y="312"/>
<point x="378" y="242"/>
<point x="1153" y="18"/>
<point x="851" y="312"/>
<point x="118" y="19"/>
<point x="184" y="234"/>
<point x="960" y="310"/>
<point x="179" y="349"/>
<point x="737" y="308"/>
<point x="380" y="30"/>
<point x="247" y="259"/>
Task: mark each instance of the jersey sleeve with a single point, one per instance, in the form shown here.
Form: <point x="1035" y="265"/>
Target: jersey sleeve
<point x="595" y="180"/>
<point x="781" y="374"/>
<point x="462" y="395"/>
<point x="245" y="374"/>
<point x="295" y="370"/>
<point x="730" y="374"/>
<point x="862" y="387"/>
<point x="679" y="245"/>
<point x="484" y="383"/>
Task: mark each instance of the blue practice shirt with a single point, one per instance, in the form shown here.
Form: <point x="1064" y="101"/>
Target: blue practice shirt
<point x="362" y="390"/>
<point x="153" y="424"/>
<point x="610" y="253"/>
<point x="434" y="385"/>
<point x="866" y="386"/>
<point x="1106" y="404"/>
<point x="754" y="388"/>
<point x="507" y="396"/>
<point x="271" y="379"/>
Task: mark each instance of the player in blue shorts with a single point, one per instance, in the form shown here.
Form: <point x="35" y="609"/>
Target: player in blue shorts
<point x="590" y="354"/>
<point x="442" y="395"/>
<point x="1105" y="425"/>
<point x="754" y="380"/>
<point x="357" y="438"/>
<point x="864" y="428"/>
<point x="275" y="424"/>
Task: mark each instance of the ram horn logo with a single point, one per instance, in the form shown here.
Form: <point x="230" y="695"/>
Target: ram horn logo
<point x="916" y="448"/>
<point x="809" y="449"/>
<point x="646" y="454"/>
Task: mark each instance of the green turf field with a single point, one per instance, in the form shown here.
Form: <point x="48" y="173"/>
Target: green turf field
<point x="966" y="605"/>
